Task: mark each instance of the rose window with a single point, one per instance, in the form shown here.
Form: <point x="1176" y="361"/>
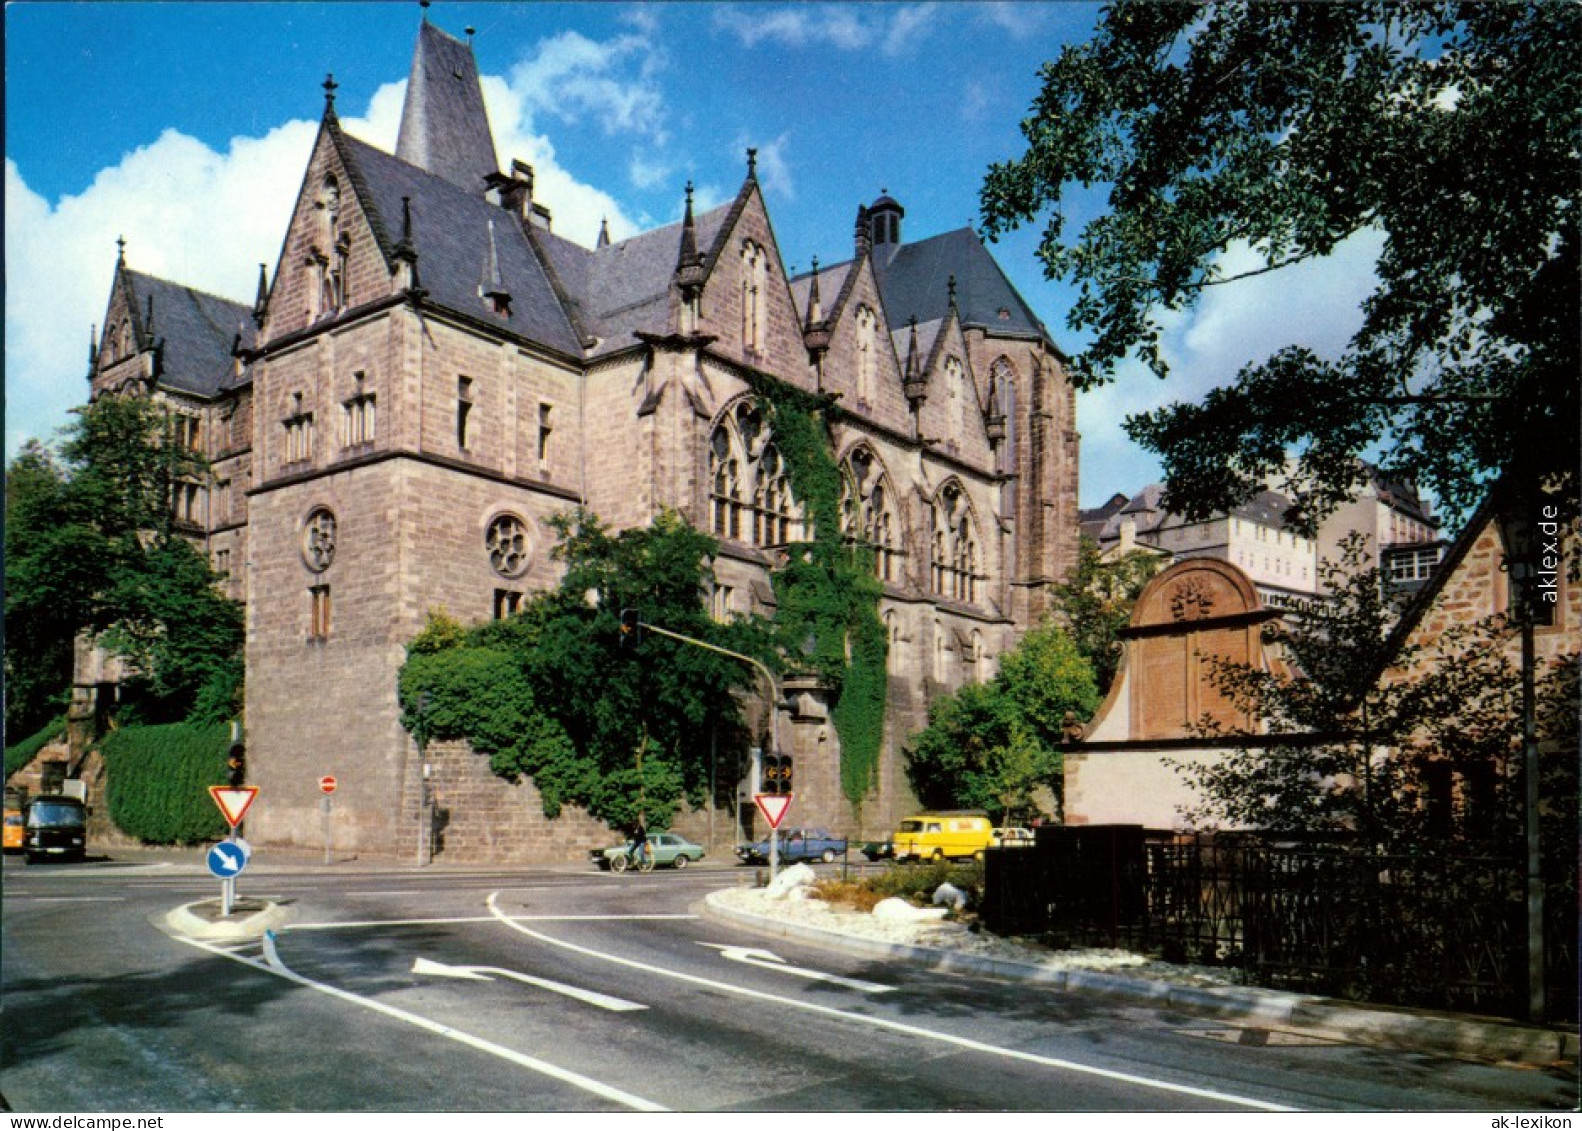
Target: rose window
<point x="318" y="539"/>
<point x="508" y="546"/>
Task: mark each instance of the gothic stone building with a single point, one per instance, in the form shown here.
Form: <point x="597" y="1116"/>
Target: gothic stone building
<point x="432" y="372"/>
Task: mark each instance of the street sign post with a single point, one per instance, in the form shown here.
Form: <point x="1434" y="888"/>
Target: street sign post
<point x="773" y="806"/>
<point x="234" y="801"/>
<point x="327" y="786"/>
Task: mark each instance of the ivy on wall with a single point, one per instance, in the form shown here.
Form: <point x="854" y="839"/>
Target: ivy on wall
<point x="827" y="592"/>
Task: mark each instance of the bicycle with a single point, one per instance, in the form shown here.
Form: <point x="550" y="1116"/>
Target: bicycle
<point x="639" y="856"/>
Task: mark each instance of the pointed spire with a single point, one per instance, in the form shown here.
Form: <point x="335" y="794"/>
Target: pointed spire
<point x="120" y="253"/>
<point x="93" y="346"/>
<point x="604" y="233"/>
<point x="148" y="323"/>
<point x="913" y="382"/>
<point x="950" y="290"/>
<point x="492" y="287"/>
<point x="863" y="232"/>
<point x="815" y="309"/>
<point x="815" y="329"/>
<point x="330" y="87"/>
<point x="689" y="263"/>
<point x="444" y="126"/>
<point x="405" y="251"/>
<point x="752" y="164"/>
<point x="261" y="300"/>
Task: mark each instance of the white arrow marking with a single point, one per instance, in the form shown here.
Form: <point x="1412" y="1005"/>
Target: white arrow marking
<point x="229" y="863"/>
<point x="489" y="973"/>
<point x="768" y="960"/>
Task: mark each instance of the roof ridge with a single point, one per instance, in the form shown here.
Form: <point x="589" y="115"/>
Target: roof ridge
<point x="187" y="287"/>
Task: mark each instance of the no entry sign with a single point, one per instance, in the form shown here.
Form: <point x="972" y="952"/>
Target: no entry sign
<point x="327" y="784"/>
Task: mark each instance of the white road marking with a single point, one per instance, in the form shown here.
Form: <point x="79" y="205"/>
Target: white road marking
<point x="72" y="898"/>
<point x="489" y="973"/>
<point x="895" y="1026"/>
<point x="273" y="965"/>
<point x="362" y="923"/>
<point x="768" y="960"/>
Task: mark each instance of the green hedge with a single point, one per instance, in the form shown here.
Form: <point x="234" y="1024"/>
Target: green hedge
<point x="158" y="780"/>
<point x="20" y="754"/>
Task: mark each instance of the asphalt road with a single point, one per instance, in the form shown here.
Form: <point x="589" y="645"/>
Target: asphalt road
<point x="573" y="991"/>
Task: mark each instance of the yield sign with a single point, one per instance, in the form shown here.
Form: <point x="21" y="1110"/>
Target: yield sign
<point x="233" y="802"/>
<point x="773" y="806"/>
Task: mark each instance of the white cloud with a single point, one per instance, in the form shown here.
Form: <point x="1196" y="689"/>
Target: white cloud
<point x="910" y="25"/>
<point x="1314" y="304"/>
<point x="893" y="29"/>
<point x="207" y="218"/>
<point x="188" y="213"/>
<point x="830" y="25"/>
<point x="572" y="77"/>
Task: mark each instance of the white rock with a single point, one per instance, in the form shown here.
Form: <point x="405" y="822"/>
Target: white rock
<point x="789" y="880"/>
<point x="898" y="910"/>
<point x="949" y="895"/>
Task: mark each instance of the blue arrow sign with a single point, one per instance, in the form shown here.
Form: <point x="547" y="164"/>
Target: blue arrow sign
<point x="227" y="859"/>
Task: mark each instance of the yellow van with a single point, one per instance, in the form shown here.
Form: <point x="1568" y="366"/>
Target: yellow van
<point x="951" y="833"/>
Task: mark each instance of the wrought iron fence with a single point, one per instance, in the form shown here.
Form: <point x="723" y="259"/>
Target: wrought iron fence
<point x="1432" y="930"/>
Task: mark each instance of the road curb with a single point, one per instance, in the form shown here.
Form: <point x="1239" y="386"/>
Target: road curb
<point x="1412" y="1030"/>
<point x="188" y="922"/>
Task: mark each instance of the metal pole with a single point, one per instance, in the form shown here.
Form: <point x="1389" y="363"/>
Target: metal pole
<point x="1537" y="1009"/>
<point x="774" y="722"/>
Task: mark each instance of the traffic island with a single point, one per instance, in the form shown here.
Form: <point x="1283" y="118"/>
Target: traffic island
<point x="206" y="919"/>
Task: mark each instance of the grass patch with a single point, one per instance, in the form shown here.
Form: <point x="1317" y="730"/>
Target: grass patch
<point x="914" y="883"/>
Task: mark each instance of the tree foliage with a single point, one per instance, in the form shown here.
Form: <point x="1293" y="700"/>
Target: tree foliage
<point x="628" y="729"/>
<point x="90" y="547"/>
<point x="1371" y="738"/>
<point x="1096" y="602"/>
<point x="1449" y="128"/>
<point x="995" y="745"/>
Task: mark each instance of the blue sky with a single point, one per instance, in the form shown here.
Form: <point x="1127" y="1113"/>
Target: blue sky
<point x="185" y="127"/>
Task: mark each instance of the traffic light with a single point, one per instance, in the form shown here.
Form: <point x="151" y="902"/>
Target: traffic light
<point x="631" y="628"/>
<point x="236" y="765"/>
<point x="777" y="773"/>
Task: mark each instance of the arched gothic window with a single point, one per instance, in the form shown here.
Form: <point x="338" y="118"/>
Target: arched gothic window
<point x="867" y="354"/>
<point x="867" y="511"/>
<point x="749" y="488"/>
<point x="1002" y="387"/>
<point x="755" y="294"/>
<point x="953" y="547"/>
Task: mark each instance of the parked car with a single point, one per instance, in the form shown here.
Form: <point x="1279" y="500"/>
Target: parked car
<point x="796" y="846"/>
<point x="55" y="828"/>
<point x="1011" y="838"/>
<point x="13" y="830"/>
<point x="879" y="850"/>
<point x="666" y="850"/>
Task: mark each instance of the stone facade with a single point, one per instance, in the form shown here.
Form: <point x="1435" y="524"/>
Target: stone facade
<point x="432" y="374"/>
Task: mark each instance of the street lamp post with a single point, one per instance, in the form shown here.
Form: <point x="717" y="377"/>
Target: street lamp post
<point x="769" y="682"/>
<point x="1519" y="534"/>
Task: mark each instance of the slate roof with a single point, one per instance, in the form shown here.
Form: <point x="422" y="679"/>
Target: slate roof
<point x="450" y="232"/>
<point x="444" y="128"/>
<point x="913" y="281"/>
<point x="625" y="287"/>
<point x="197" y="331"/>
